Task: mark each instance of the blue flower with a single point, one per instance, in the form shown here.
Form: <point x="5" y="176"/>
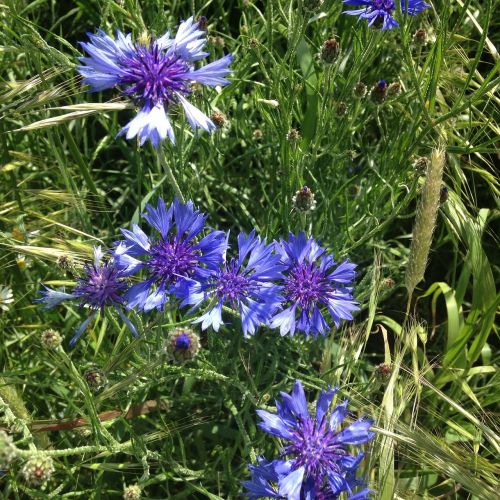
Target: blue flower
<point x="372" y="10"/>
<point x="244" y="283"/>
<point x="101" y="285"/>
<point x="315" y="463"/>
<point x="155" y="75"/>
<point x="179" y="252"/>
<point x="312" y="280"/>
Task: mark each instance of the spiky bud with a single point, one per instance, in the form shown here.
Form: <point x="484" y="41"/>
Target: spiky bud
<point x="50" y="339"/>
<point x="218" y="118"/>
<point x="67" y="264"/>
<point x="96" y="379"/>
<point x="257" y="134"/>
<point x="253" y="42"/>
<point x="293" y="135"/>
<point x="359" y="90"/>
<point x="420" y="164"/>
<point x="341" y="108"/>
<point x="132" y="492"/>
<point x="182" y="344"/>
<point x="443" y="195"/>
<point x="202" y="23"/>
<point x="420" y="37"/>
<point x="383" y="370"/>
<point x="378" y="93"/>
<point x="388" y="282"/>
<point x="217" y="41"/>
<point x="329" y="51"/>
<point x="8" y="450"/>
<point x="303" y="200"/>
<point x="37" y="470"/>
<point x="394" y="89"/>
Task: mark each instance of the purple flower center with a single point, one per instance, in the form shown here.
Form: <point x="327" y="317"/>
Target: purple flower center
<point x="306" y="284"/>
<point x="315" y="448"/>
<point x="182" y="342"/>
<point x="154" y="76"/>
<point x="232" y="286"/>
<point x="171" y="259"/>
<point x="100" y="286"/>
<point x="386" y="5"/>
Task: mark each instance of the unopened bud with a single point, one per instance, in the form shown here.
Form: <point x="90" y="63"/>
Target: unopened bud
<point x="182" y="344"/>
<point x="394" y="89"/>
<point x="8" y="450"/>
<point x="96" y="379"/>
<point x="443" y="194"/>
<point x="293" y="135"/>
<point x="38" y="470"/>
<point x="330" y="51"/>
<point x="218" y="118"/>
<point x="420" y="164"/>
<point x="303" y="200"/>
<point x="132" y="492"/>
<point x="257" y="134"/>
<point x="378" y="93"/>
<point x="420" y="37"/>
<point x="359" y="90"/>
<point x="341" y="109"/>
<point x="50" y="339"/>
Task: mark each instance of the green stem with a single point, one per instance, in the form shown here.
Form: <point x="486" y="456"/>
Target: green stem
<point x="170" y="173"/>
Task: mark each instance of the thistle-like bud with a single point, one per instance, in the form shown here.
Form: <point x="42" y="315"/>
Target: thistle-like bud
<point x="202" y="23"/>
<point x="132" y="492"/>
<point x="394" y="89"/>
<point x="293" y="135"/>
<point x="388" y="282"/>
<point x="182" y="344"/>
<point x="330" y="51"/>
<point x="312" y="5"/>
<point x="443" y="195"/>
<point x="341" y="109"/>
<point x="383" y="370"/>
<point x="303" y="200"/>
<point x="257" y="134"/>
<point x="8" y="450"/>
<point x="253" y="42"/>
<point x="217" y="41"/>
<point x="67" y="264"/>
<point x="420" y="37"/>
<point x="218" y="118"/>
<point x="378" y="93"/>
<point x="37" y="470"/>
<point x="50" y="339"/>
<point x="96" y="379"/>
<point x="420" y="164"/>
<point x="359" y="90"/>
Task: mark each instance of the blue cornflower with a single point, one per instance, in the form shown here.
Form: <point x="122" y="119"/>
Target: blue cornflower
<point x="244" y="283"/>
<point x="372" y="10"/>
<point x="156" y="75"/>
<point x="178" y="253"/>
<point x="316" y="462"/>
<point x="101" y="285"/>
<point x="312" y="280"/>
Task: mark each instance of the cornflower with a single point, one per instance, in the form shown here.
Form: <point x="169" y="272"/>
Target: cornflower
<point x="312" y="281"/>
<point x="101" y="285"/>
<point x="179" y="252"/>
<point x="155" y="75"/>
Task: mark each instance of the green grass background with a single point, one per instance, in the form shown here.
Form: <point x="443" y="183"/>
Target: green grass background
<point x="66" y="184"/>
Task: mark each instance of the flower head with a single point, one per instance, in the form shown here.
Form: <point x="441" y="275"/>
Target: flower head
<point x="101" y="285"/>
<point x="155" y="75"/>
<point x="243" y="283"/>
<point x="179" y="252"/>
<point x="182" y="344"/>
<point x="6" y="297"/>
<point x="383" y="10"/>
<point x="315" y="459"/>
<point x="312" y="281"/>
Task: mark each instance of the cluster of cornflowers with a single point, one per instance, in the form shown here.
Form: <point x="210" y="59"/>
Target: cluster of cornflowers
<point x="289" y="284"/>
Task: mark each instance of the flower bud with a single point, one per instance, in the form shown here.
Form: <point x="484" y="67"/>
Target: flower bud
<point x="420" y="164"/>
<point x="359" y="90"/>
<point x="38" y="470"/>
<point x="182" y="344"/>
<point x="218" y="118"/>
<point x="378" y="93"/>
<point x="50" y="339"/>
<point x="96" y="379"/>
<point x="303" y="200"/>
<point x="257" y="134"/>
<point x="394" y="89"/>
<point x="330" y="51"/>
<point x="293" y="135"/>
<point x="341" y="109"/>
<point x="132" y="492"/>
<point x="420" y="37"/>
<point x="443" y="195"/>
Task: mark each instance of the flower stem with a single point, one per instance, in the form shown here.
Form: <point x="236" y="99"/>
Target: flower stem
<point x="169" y="172"/>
